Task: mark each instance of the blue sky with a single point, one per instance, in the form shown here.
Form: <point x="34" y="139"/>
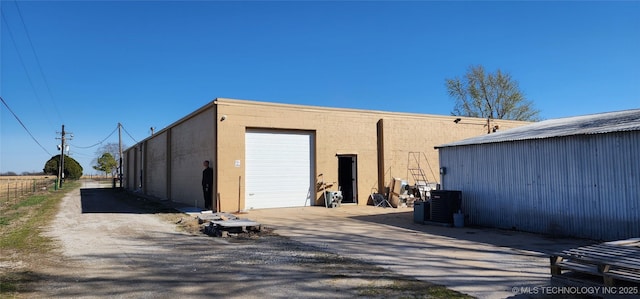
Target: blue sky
<point x="90" y="64"/>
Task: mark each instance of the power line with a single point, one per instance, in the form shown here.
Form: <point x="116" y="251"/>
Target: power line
<point x="125" y="130"/>
<point x="74" y="153"/>
<point x="103" y="140"/>
<point x="46" y="82"/>
<point x="25" y="128"/>
<point x="15" y="45"/>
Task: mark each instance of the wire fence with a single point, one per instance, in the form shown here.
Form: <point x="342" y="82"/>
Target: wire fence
<point x="14" y="188"/>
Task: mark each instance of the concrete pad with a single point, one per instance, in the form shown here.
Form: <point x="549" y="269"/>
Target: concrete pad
<point x="482" y="262"/>
<point x="236" y="223"/>
<point x="189" y="210"/>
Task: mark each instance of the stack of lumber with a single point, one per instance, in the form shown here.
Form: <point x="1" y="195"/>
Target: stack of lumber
<point x="606" y="264"/>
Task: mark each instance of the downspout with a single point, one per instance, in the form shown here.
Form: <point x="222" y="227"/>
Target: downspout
<point x="380" y="152"/>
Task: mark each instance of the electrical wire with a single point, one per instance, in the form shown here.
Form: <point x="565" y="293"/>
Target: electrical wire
<point x="33" y="49"/>
<point x="103" y="140"/>
<point x="24" y="66"/>
<point x="81" y="154"/>
<point x="125" y="130"/>
<point x="25" y="128"/>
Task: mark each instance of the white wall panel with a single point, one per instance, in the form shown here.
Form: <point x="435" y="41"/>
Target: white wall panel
<point x="279" y="169"/>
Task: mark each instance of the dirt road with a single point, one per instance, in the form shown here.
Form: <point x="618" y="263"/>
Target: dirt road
<point x="111" y="248"/>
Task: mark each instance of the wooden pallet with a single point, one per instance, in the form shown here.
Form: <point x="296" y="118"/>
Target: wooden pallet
<point x="606" y="264"/>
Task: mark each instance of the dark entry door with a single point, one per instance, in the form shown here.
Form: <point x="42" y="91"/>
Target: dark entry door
<point x="348" y="178"/>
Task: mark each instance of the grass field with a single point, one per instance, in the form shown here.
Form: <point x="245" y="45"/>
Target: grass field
<point x="14" y="187"/>
<point x="21" y="243"/>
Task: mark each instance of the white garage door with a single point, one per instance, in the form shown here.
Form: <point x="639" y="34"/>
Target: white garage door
<point x="278" y="169"/>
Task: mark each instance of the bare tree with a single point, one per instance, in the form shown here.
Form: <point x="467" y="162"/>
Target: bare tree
<point x="112" y="148"/>
<point x="489" y="95"/>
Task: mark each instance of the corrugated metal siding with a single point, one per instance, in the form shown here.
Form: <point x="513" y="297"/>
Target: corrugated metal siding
<point x="584" y="186"/>
<point x="602" y="123"/>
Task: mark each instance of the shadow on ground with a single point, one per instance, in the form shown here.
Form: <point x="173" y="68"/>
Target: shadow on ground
<point x="498" y="237"/>
<point x="101" y="200"/>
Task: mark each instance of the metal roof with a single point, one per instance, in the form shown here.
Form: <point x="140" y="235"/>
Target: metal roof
<point x="627" y="120"/>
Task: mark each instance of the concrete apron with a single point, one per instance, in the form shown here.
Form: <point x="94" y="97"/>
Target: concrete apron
<point x="484" y="263"/>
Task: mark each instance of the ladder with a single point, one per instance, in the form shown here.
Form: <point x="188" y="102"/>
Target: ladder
<point x="414" y="168"/>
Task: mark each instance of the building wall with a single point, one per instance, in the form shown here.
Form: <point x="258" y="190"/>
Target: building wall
<point x="128" y="170"/>
<point x="582" y="186"/>
<point x="156" y="178"/>
<point x="216" y="132"/>
<point x="131" y="171"/>
<point x="421" y="133"/>
<point x="337" y="131"/>
<point x="192" y="142"/>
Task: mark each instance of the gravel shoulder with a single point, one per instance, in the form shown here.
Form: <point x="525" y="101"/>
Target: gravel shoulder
<point x="111" y="244"/>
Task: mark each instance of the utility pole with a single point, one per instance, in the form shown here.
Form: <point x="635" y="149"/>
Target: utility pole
<point x="61" y="163"/>
<point x="120" y="153"/>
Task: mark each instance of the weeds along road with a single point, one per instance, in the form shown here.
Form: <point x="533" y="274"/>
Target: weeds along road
<point x="109" y="247"/>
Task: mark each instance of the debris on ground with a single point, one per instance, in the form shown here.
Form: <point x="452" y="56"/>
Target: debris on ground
<point x="227" y="225"/>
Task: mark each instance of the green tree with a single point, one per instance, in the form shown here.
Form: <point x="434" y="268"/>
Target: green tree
<point x="107" y="163"/>
<point x="111" y="148"/>
<point x="72" y="169"/>
<point x="489" y="95"/>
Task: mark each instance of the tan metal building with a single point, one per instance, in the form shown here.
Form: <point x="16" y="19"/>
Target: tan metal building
<point x="269" y="155"/>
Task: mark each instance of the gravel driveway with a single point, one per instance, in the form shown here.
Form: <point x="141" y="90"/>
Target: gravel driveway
<point x="110" y="248"/>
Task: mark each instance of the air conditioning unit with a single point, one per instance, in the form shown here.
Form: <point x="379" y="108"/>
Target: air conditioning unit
<point x="333" y="198"/>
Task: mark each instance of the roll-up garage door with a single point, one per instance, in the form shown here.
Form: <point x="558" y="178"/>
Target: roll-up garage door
<point x="278" y="169"/>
